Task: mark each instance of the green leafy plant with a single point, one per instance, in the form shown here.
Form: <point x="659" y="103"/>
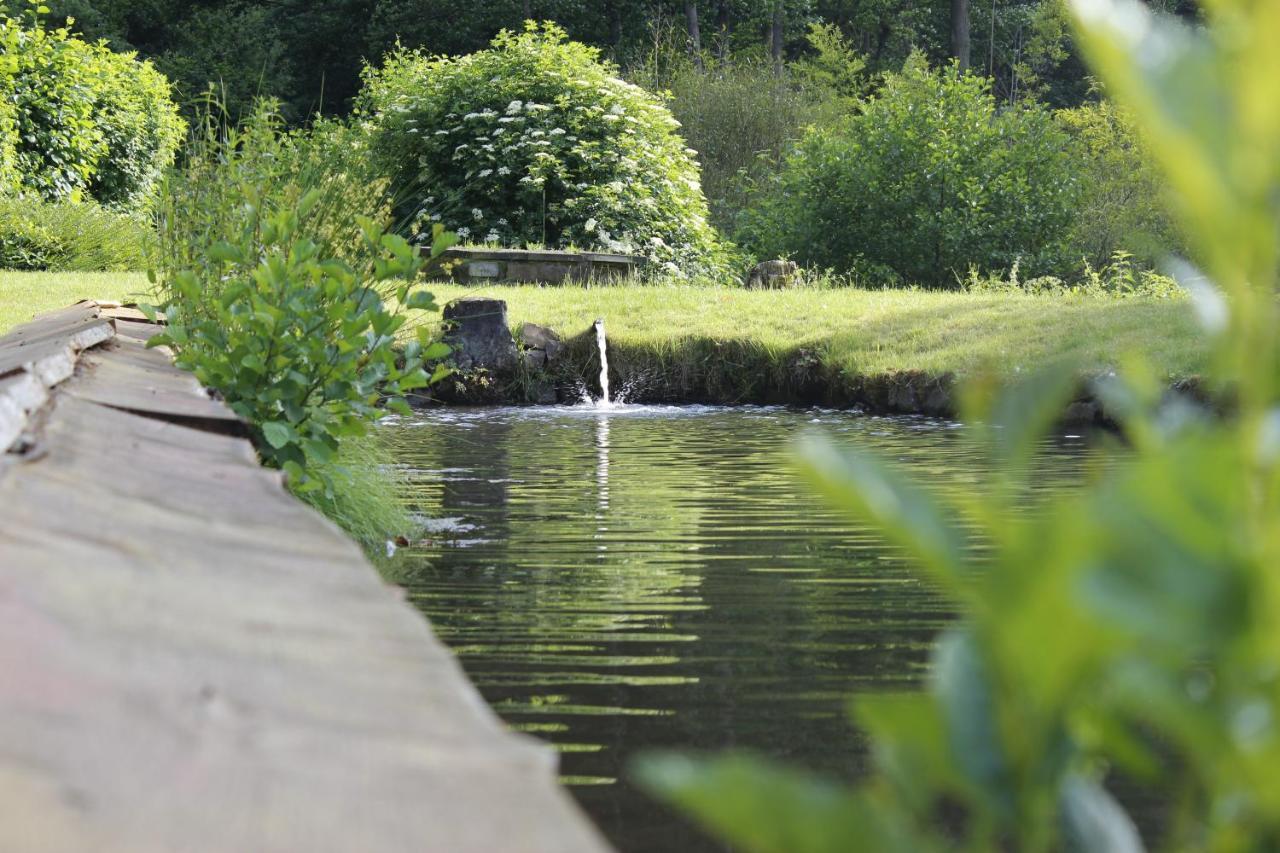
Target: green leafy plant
<point x="1120" y="278"/>
<point x="1129" y="628"/>
<point x="286" y="299"/>
<point x="925" y="180"/>
<point x="71" y="237"/>
<point x="536" y="140"/>
<point x="1122" y="205"/>
<point x="84" y="122"/>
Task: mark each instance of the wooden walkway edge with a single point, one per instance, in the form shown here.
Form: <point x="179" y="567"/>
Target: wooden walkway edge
<point x="191" y="659"/>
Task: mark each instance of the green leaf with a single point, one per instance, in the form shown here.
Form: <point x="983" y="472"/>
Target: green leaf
<point x="441" y="240"/>
<point x="436" y="351"/>
<point x="1023" y="412"/>
<point x="1092" y="820"/>
<point x="759" y="806"/>
<point x="962" y="682"/>
<point x="421" y="300"/>
<point x="864" y="486"/>
<point x="277" y="433"/>
<point x="224" y="252"/>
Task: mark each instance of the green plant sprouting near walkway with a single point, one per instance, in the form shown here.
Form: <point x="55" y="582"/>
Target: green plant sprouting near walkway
<point x="276" y="290"/>
<point x="1129" y="629"/>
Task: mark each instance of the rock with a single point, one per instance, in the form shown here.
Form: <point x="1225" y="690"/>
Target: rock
<point x="478" y="333"/>
<point x="541" y="339"/>
<point x="1081" y="413"/>
<point x="772" y="275"/>
<point x="535" y="359"/>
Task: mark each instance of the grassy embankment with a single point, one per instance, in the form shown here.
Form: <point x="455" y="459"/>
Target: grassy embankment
<point x="25" y="294"/>
<point x="813" y="345"/>
<point x="726" y="344"/>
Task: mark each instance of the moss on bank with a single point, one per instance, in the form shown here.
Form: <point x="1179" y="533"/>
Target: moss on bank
<point x="840" y="346"/>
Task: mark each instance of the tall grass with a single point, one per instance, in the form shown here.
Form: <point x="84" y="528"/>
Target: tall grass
<point x="71" y="237"/>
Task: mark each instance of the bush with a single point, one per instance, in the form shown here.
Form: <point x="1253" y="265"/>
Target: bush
<point x="70" y="237"/>
<point x="9" y="178"/>
<point x="275" y="288"/>
<point x="536" y="141"/>
<point x="1122" y="203"/>
<point x="86" y="122"/>
<point x="924" y="181"/>
<point x="732" y="113"/>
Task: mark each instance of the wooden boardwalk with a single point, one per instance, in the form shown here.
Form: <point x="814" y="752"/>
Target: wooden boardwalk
<point x="191" y="659"/>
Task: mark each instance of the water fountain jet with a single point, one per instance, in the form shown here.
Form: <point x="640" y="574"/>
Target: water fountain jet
<point x="602" y="344"/>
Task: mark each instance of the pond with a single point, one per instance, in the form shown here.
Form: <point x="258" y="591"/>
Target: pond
<point x="615" y="580"/>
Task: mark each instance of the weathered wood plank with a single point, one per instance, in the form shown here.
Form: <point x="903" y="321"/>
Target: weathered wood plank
<point x="191" y="659"/>
<point x="20" y="395"/>
<point x="126" y="375"/>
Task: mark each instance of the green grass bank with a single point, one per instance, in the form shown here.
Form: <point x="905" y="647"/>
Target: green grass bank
<point x="889" y="349"/>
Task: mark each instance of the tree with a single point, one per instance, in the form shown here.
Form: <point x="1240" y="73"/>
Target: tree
<point x="960" y="33"/>
<point x="695" y="38"/>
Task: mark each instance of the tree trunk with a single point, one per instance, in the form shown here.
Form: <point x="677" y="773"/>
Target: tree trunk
<point x="695" y="37"/>
<point x="526" y="9"/>
<point x="775" y="36"/>
<point x="615" y="23"/>
<point x="960" y="32"/>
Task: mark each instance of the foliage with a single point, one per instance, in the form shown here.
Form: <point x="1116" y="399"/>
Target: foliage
<point x="9" y="176"/>
<point x="834" y="68"/>
<point x="925" y="180"/>
<point x="86" y="122"/>
<point x="275" y="288"/>
<point x="366" y="495"/>
<point x="233" y="51"/>
<point x="1126" y="629"/>
<point x="1119" y="278"/>
<point x="69" y="237"/>
<point x="740" y="115"/>
<point x="537" y="141"/>
<point x="1122" y="202"/>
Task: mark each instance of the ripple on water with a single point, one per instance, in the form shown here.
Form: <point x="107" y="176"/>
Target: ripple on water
<point x="656" y="576"/>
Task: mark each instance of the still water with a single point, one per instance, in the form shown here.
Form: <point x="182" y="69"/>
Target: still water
<point x="615" y="580"/>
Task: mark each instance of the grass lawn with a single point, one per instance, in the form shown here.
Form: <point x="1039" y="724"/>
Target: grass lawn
<point x="25" y="294"/>
<point x="858" y="332"/>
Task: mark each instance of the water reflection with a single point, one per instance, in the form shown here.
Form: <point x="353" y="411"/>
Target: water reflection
<point x="658" y="577"/>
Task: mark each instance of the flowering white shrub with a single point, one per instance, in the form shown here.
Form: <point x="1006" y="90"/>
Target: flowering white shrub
<point x="536" y="141"/>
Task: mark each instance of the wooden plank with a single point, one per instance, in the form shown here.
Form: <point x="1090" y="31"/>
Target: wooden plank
<point x="141" y="331"/>
<point x="127" y="375"/>
<point x="191" y="659"/>
<point x="20" y="395"/>
<point x="62" y="321"/>
<point x="123" y="312"/>
<point x="49" y="347"/>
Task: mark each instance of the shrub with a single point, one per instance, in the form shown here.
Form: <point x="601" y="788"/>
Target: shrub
<point x="70" y="237"/>
<point x="1122" y="202"/>
<point x="9" y="177"/>
<point x="275" y="288"/>
<point x="732" y="113"/>
<point x="924" y="181"/>
<point x="86" y="122"/>
<point x="536" y="141"/>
